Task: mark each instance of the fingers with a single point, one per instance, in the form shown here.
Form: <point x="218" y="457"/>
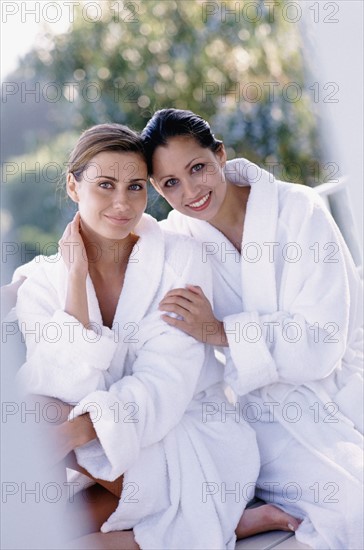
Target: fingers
<point x="71" y="229"/>
<point x="188" y="294"/>
<point x="196" y="290"/>
<point x="178" y="310"/>
<point x="75" y="223"/>
<point x="182" y="292"/>
<point x="177" y="323"/>
<point x="178" y="301"/>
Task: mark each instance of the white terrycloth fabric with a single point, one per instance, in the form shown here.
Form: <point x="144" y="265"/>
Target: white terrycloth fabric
<point x="154" y="395"/>
<point x="291" y="303"/>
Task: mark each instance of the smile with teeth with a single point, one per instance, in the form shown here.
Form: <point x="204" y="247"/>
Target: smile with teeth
<point x="200" y="202"/>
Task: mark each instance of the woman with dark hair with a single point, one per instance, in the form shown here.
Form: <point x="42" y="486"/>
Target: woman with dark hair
<point x="286" y="312"/>
<point x="149" y="398"/>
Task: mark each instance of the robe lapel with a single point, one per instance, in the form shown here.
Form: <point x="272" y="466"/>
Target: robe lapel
<point x="142" y="278"/>
<point x="257" y="267"/>
<point x="258" y="281"/>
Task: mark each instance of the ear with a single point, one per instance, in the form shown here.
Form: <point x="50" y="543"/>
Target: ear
<point x="72" y="187"/>
<point x="156" y="186"/>
<point x="221" y="155"/>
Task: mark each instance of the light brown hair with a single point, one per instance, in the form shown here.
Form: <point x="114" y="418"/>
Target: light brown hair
<point x="100" y="138"/>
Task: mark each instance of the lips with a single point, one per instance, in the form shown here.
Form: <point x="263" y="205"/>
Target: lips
<point x="201" y="203"/>
<point x="118" y="221"/>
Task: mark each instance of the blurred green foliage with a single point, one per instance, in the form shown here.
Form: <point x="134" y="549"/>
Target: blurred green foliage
<point x="241" y="71"/>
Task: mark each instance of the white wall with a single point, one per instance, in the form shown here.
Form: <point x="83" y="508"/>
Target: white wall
<point x="340" y="60"/>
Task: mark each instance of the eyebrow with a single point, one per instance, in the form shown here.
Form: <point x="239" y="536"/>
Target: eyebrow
<point x="115" y="179"/>
<point x="191" y="161"/>
<point x="107" y="177"/>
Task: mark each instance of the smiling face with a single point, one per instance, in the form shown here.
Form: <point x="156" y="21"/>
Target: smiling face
<point x="111" y="194"/>
<point x="190" y="177"/>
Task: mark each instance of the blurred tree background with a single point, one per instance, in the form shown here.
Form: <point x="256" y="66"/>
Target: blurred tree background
<point x="240" y="65"/>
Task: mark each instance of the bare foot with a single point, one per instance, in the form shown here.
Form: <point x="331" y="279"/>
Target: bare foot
<point x="116" y="540"/>
<point x="265" y="518"/>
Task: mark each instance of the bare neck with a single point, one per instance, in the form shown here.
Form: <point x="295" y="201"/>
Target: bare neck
<point x="108" y="258"/>
<point x="231" y="216"/>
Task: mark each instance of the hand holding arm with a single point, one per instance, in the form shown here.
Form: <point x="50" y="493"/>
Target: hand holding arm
<point x="73" y="434"/>
<point x="198" y="319"/>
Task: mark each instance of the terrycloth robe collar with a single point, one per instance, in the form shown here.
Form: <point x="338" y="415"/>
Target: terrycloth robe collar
<point x="258" y="279"/>
<point x="146" y="263"/>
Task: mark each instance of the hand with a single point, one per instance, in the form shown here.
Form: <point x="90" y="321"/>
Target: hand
<point x="73" y="248"/>
<point x="72" y="434"/>
<point x="198" y="319"/>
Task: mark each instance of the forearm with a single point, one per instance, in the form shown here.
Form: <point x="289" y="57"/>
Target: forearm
<point x="113" y="487"/>
<point x="73" y="434"/>
<point x="76" y="299"/>
<point x="215" y="335"/>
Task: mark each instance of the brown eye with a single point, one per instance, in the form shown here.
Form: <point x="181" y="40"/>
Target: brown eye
<point x="197" y="167"/>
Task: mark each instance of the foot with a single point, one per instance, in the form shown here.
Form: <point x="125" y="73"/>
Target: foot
<point x="265" y="518"/>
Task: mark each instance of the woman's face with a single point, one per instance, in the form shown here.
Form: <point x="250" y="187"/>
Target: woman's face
<point x="112" y="194"/>
<point x="190" y="177"/>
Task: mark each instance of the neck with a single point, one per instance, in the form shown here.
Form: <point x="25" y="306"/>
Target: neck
<point x="232" y="211"/>
<point x="105" y="256"/>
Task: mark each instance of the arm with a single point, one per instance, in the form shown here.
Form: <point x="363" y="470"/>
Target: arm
<point x="195" y="315"/>
<point x="64" y="358"/>
<point x="139" y="410"/>
<point x="142" y="408"/>
<point x="9" y="296"/>
<point x="307" y="337"/>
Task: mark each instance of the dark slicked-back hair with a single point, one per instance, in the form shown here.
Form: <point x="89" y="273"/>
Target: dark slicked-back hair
<point x="168" y="123"/>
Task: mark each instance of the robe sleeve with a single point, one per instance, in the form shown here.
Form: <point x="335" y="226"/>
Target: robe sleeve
<point x="64" y="359"/>
<point x="306" y="338"/>
<point x="141" y="409"/>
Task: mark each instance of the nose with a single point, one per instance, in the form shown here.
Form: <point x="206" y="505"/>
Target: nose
<point x="121" y="200"/>
<point x="191" y="189"/>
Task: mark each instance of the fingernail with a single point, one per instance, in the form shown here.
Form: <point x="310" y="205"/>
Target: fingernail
<point x="290" y="526"/>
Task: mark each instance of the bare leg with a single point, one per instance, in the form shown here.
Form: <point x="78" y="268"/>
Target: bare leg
<point x="265" y="518"/>
<point x="117" y="540"/>
<point x="114" y="487"/>
<point x="89" y="509"/>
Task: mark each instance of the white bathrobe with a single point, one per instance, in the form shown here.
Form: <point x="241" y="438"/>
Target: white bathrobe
<point x="154" y="395"/>
<point x="291" y="303"/>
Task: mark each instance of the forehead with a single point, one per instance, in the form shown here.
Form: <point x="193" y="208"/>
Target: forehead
<point x="117" y="164"/>
<point x="180" y="149"/>
<point x="181" y="144"/>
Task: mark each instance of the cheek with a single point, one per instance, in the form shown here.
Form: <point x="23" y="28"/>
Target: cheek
<point x="172" y="199"/>
<point x="140" y="202"/>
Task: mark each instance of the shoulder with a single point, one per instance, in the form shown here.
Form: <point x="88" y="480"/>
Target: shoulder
<point x="177" y="222"/>
<point x="296" y="193"/>
<point x="40" y="266"/>
<point x="181" y="251"/>
<point x="300" y="204"/>
<point x="43" y="274"/>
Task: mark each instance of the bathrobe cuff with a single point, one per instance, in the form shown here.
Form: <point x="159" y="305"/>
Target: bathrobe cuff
<point x="68" y="360"/>
<point x="104" y="458"/>
<point x="249" y="364"/>
<point x="94" y="346"/>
